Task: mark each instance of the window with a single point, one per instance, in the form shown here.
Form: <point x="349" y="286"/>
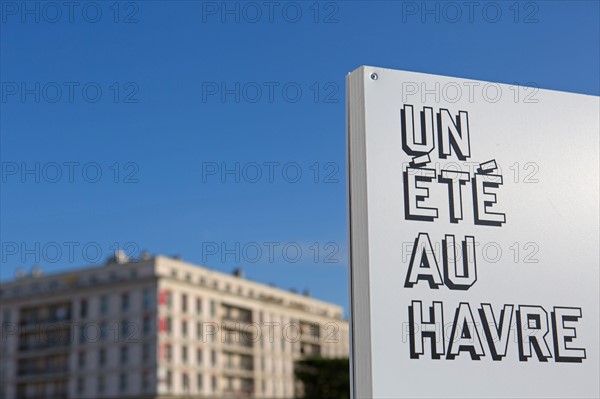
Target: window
<point x="60" y="313"/>
<point x="184" y="328"/>
<point x="213" y="357"/>
<point x="229" y="384"/>
<point x="184" y="354"/>
<point x="145" y="352"/>
<point x="103" y="304"/>
<point x="147" y="325"/>
<point x="126" y="328"/>
<point x="81" y="360"/>
<point x="123" y="382"/>
<point x="169" y="297"/>
<point x="169" y="379"/>
<point x="199" y="382"/>
<point x="102" y="357"/>
<point x="169" y="325"/>
<point x="145" y="380"/>
<point x="6" y="316"/>
<point x="168" y="352"/>
<point x="184" y="303"/>
<point x="103" y="331"/>
<point x="214" y="382"/>
<point x="314" y="331"/>
<point x="147" y="299"/>
<point x="101" y="384"/>
<point x="83" y="309"/>
<point x="83" y="334"/>
<point x="199" y="305"/>
<point x="186" y="382"/>
<point x="125" y="302"/>
<point x="124" y="355"/>
<point x="229" y="339"/>
<point x="213" y="309"/>
<point x="80" y="385"/>
<point x="199" y="356"/>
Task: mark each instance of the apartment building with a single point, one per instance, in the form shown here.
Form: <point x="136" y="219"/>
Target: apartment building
<point x="158" y="327"/>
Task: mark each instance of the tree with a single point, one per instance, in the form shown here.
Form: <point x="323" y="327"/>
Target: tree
<point x="323" y="378"/>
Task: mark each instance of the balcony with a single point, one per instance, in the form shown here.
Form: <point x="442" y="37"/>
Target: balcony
<point x="56" y="395"/>
<point x="36" y="321"/>
<point x="241" y="345"/>
<point x="238" y="393"/>
<point x="34" y="372"/>
<point x="236" y="314"/>
<point x="42" y="370"/>
<point x="239" y="367"/>
<point x="243" y="320"/>
<point x="63" y="344"/>
<point x="234" y="338"/>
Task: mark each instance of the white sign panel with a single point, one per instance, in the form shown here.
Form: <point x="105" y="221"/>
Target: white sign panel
<point x="474" y="238"/>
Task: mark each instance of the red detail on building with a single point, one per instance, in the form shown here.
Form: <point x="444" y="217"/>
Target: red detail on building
<point x="162" y="297"/>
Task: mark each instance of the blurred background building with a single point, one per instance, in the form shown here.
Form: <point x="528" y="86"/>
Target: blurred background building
<point x="158" y="327"/>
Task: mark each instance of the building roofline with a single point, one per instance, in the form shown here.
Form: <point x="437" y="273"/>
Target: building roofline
<point x="155" y="261"/>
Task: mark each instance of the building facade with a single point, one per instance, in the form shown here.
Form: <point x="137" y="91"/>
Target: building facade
<point x="158" y="327"/>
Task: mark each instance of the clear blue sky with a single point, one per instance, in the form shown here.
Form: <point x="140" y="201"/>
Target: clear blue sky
<point x="162" y="124"/>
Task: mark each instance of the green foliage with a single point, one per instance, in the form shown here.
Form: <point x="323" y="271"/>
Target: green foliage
<point x="324" y="378"/>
